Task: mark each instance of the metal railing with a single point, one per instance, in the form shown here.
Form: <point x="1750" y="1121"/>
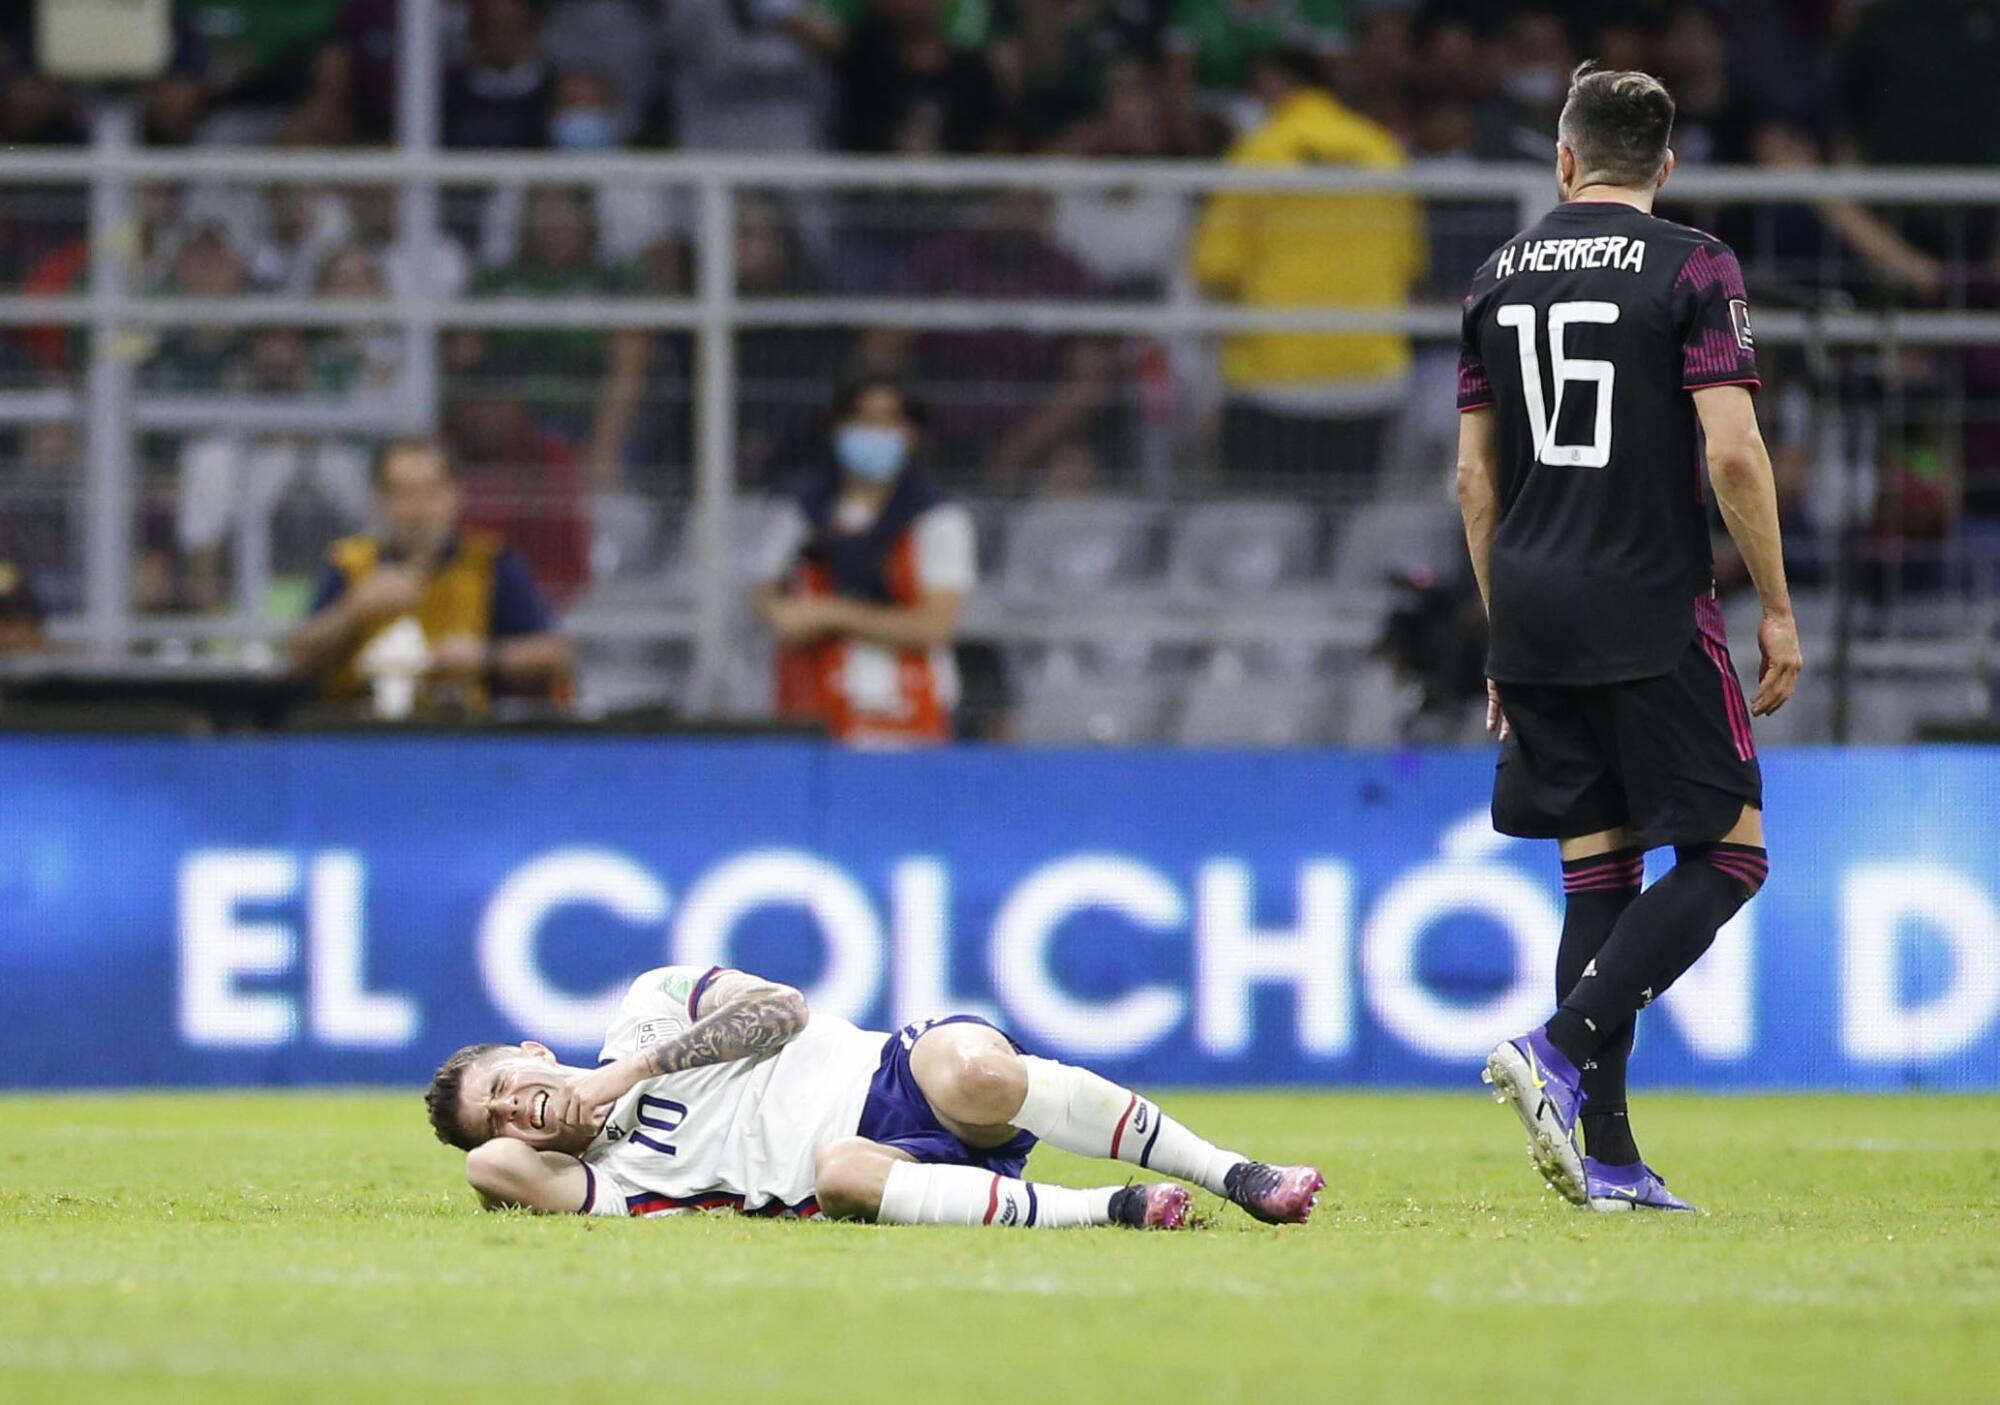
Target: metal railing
<point x="114" y="410"/>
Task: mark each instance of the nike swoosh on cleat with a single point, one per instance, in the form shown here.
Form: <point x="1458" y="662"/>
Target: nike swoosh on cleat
<point x="1535" y="1071"/>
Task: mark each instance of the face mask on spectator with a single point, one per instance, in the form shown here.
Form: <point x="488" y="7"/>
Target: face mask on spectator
<point x="583" y="129"/>
<point x="871" y="451"/>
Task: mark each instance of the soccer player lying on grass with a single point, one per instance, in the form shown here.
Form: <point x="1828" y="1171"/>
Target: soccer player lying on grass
<point x="718" y="1090"/>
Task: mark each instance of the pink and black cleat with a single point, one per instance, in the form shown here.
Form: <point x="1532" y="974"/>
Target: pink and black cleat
<point x="1161" y="1206"/>
<point x="1274" y="1194"/>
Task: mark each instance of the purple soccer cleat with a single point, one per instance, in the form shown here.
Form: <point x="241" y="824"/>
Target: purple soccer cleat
<point x="1547" y="1094"/>
<point x="1274" y="1194"/>
<point x="1160" y="1206"/>
<point x="1614" y="1189"/>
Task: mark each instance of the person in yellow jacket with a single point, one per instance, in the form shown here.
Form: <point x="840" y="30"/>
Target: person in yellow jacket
<point x="484" y="619"/>
<point x="1308" y="412"/>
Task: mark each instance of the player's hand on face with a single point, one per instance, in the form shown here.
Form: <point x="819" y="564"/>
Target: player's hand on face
<point x="586" y="1098"/>
<point x="1496" y="720"/>
<point x="1778" y="674"/>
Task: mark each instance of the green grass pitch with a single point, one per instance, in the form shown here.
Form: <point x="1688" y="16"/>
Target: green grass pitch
<point x="305" y="1248"/>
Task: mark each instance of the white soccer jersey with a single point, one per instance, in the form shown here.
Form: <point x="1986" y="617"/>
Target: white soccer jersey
<point x="741" y="1135"/>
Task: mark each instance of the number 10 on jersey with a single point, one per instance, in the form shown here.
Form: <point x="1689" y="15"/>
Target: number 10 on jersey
<point x="1566" y="369"/>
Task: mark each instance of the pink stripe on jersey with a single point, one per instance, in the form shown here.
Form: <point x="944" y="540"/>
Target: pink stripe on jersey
<point x="1715" y="643"/>
<point x="1711" y="265"/>
<point x="1715" y="359"/>
<point x="1475" y="387"/>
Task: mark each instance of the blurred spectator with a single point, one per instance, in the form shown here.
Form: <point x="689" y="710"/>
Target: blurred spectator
<point x="172" y="109"/>
<point x="1917" y="85"/>
<point x="297" y="226"/>
<point x="518" y="481"/>
<point x="35" y="112"/>
<point x="1215" y="43"/>
<point x="438" y="269"/>
<point x="1304" y="409"/>
<point x="746" y="77"/>
<point x="197" y="359"/>
<point x="781" y="371"/>
<point x="503" y="93"/>
<point x="906" y="87"/>
<point x="1006" y="403"/>
<point x="1070" y="50"/>
<point x="349" y="359"/>
<point x="584" y="112"/>
<point x="39" y="473"/>
<point x="617" y="40"/>
<point x="1786" y="55"/>
<point x="20" y="613"/>
<point x="863" y="578"/>
<point x="1129" y="240"/>
<point x="1378" y="74"/>
<point x="351" y="86"/>
<point x="258" y="50"/>
<point x="483" y="617"/>
<point x="231" y="483"/>
<point x="583" y="384"/>
<point x="1530" y="66"/>
<point x="1712" y="124"/>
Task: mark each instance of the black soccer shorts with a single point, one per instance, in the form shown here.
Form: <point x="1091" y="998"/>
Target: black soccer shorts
<point x="1671" y="756"/>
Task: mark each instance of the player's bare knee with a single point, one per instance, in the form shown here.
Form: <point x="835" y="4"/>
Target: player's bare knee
<point x="984" y="1088"/>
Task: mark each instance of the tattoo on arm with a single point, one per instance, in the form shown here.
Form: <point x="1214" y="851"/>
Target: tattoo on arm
<point x="754" y="1023"/>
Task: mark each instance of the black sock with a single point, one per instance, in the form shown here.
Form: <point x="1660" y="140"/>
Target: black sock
<point x="1662" y="933"/>
<point x="1596" y="892"/>
<point x="1607" y="1135"/>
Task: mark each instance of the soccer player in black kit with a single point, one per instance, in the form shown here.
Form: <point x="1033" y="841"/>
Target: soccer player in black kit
<point x="1602" y="349"/>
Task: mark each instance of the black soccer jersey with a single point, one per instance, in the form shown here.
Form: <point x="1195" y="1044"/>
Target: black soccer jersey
<point x="1584" y="335"/>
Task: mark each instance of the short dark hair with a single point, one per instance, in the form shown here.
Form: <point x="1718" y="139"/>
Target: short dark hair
<point x="849" y="394"/>
<point x="411" y="444"/>
<point x="1617" y="122"/>
<point x="441" y="1098"/>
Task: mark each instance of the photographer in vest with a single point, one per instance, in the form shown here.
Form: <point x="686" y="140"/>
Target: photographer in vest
<point x="486" y="628"/>
<point x="865" y="573"/>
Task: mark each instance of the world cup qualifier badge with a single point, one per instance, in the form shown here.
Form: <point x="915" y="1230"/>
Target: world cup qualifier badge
<point x="1739" y="318"/>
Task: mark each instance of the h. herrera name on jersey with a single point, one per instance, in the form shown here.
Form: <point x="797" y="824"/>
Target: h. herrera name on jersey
<point x="1614" y="251"/>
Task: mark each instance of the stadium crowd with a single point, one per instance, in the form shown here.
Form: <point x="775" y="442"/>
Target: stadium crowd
<point x="557" y="435"/>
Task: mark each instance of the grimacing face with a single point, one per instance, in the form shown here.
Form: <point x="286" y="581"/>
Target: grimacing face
<point x="511" y="1093"/>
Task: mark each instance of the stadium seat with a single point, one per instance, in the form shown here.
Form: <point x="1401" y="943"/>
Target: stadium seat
<point x="1220" y="550"/>
<point x="1383" y="538"/>
<point x="1256" y="712"/>
<point x="1092" y="711"/>
<point x="749" y="525"/>
<point x="1061" y="550"/>
<point x="1889" y="711"/>
<point x="624" y="535"/>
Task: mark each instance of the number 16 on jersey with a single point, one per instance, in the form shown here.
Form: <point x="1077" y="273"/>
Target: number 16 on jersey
<point x="1567" y="369"/>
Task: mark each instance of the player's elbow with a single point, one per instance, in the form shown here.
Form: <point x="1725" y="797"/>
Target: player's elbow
<point x="1736" y="463"/>
<point x="792" y="1004"/>
<point x="1475" y="482"/>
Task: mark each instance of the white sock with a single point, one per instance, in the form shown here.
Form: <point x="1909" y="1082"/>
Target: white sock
<point x="966" y="1195"/>
<point x="1075" y="1110"/>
